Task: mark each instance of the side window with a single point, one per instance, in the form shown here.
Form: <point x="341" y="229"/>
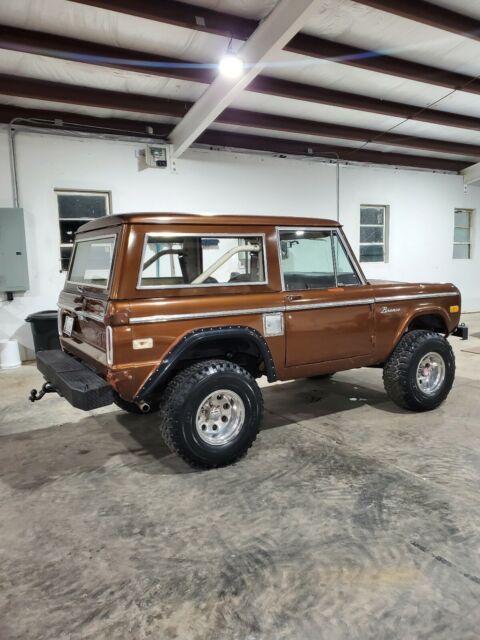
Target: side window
<point x="202" y="260"/>
<point x="462" y="239"/>
<point x="346" y="274"/>
<point x="307" y="260"/>
<point x="374" y="233"/>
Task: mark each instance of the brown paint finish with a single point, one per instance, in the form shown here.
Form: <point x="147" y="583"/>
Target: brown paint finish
<point x="324" y="329"/>
<point x="321" y="335"/>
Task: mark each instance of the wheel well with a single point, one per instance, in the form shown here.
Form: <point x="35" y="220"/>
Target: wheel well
<point x="433" y="322"/>
<point x="241" y="350"/>
<point x="242" y="345"/>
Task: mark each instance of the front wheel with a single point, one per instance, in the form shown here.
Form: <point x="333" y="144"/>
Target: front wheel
<point x="210" y="413"/>
<point x="420" y="372"/>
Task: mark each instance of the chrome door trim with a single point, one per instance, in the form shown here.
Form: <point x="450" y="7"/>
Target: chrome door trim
<point x="291" y="307"/>
<point x="329" y="305"/>
<point x="246" y="312"/>
<point x="415" y="296"/>
<point x="208" y="314"/>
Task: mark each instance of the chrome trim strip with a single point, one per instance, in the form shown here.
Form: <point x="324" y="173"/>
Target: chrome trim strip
<point x="249" y="312"/>
<point x="208" y="314"/>
<point x="415" y="296"/>
<point x="81" y="314"/>
<point x="295" y="307"/>
<point x="174" y="234"/>
<point x="329" y="305"/>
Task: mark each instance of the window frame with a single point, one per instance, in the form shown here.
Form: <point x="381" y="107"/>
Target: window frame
<point x="470" y="228"/>
<point x="72" y="259"/>
<point x="79" y="192"/>
<point x="341" y="239"/>
<point x="386" y="232"/>
<point x="204" y="285"/>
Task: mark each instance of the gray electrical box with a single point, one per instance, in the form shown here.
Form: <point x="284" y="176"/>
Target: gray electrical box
<point x="13" y="251"/>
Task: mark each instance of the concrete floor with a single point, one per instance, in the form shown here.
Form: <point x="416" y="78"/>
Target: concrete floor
<point x="349" y="518"/>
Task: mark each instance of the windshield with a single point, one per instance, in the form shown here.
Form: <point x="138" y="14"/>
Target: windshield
<point x="92" y="262"/>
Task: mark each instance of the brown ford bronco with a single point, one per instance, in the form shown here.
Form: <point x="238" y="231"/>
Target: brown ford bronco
<point x="180" y="313"/>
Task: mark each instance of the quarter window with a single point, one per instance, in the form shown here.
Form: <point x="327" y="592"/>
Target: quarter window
<point x="202" y="261"/>
<point x="92" y="262"/>
<point x="373" y="233"/>
<point x="314" y="259"/>
<point x="462" y="238"/>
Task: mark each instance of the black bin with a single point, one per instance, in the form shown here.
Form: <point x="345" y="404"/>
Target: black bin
<point x="44" y="330"/>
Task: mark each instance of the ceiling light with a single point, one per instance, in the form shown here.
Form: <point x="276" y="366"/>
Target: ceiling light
<point x="231" y="66"/>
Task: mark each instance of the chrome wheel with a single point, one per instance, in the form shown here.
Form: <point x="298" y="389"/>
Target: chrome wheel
<point x="430" y="373"/>
<point x="220" y="417"/>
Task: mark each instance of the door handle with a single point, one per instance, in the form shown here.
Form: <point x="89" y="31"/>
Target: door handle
<point x="293" y="298"/>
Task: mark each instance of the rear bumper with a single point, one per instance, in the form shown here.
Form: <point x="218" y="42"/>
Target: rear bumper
<point x="461" y="332"/>
<point x="73" y="380"/>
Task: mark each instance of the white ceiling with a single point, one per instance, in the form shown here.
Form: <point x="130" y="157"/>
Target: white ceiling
<point x="340" y="20"/>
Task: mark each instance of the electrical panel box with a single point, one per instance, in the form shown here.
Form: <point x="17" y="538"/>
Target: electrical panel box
<point x="13" y="251"/>
<point x="156" y="157"/>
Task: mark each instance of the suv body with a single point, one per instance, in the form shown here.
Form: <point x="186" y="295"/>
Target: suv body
<point x="149" y="297"/>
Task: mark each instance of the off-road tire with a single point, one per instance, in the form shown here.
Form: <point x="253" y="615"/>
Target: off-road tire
<point x="131" y="407"/>
<point x="182" y="399"/>
<point x="399" y="372"/>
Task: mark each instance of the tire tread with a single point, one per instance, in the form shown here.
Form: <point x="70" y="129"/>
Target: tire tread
<point x="396" y="370"/>
<point x="176" y="394"/>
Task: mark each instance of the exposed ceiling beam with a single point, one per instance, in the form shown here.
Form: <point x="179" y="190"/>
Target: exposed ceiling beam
<point x="430" y="14"/>
<point x="45" y="118"/>
<point x="65" y="48"/>
<point x="272" y="34"/>
<point x="65" y="121"/>
<point x="295" y="147"/>
<point x="88" y="96"/>
<point x="138" y="103"/>
<point x="240" y="117"/>
<point x="200" y="19"/>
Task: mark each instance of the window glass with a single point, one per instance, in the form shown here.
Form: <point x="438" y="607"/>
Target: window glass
<point x="346" y="274"/>
<point x="82" y="205"/>
<point x="371" y="253"/>
<point x="372" y="215"/>
<point x="92" y="262"/>
<point x="74" y="210"/>
<point x="206" y="260"/>
<point x="373" y="233"/>
<point x="462" y="246"/>
<point x="307" y="260"/>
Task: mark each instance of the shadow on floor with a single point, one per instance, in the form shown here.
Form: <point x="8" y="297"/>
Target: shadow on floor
<point x="116" y="438"/>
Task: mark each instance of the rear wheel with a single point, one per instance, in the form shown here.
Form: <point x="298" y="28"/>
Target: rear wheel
<point x="210" y="413"/>
<point x="420" y="372"/>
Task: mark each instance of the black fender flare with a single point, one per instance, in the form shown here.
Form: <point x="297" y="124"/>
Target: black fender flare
<point x="163" y="373"/>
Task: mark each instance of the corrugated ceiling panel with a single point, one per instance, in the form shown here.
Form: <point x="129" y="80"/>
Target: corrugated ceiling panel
<point x="359" y="25"/>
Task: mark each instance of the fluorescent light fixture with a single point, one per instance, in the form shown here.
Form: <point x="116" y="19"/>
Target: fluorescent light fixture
<point x="231" y="66"/>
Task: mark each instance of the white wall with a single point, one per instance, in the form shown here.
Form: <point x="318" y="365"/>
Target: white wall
<point x="421" y="206"/>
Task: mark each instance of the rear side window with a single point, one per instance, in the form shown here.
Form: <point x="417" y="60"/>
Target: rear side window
<point x="92" y="262"/>
<point x="202" y="261"/>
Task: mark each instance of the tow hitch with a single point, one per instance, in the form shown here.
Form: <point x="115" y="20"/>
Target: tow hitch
<point x="38" y="395"/>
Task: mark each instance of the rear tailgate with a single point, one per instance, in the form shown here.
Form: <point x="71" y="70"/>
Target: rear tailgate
<point x="83" y="303"/>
